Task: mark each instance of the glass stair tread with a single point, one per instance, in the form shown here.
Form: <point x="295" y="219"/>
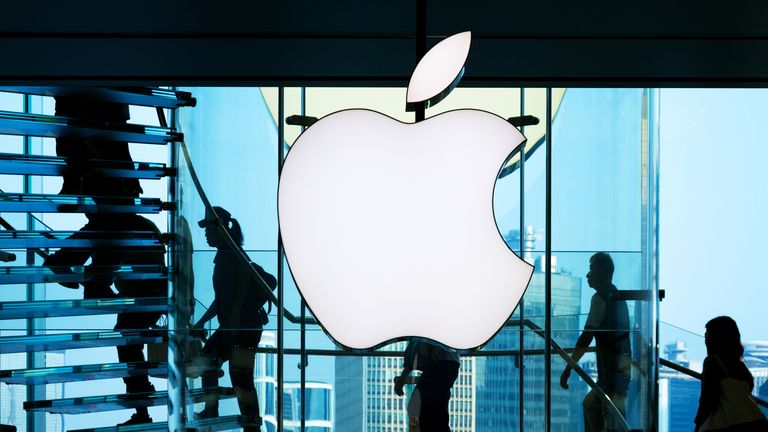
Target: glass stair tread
<point x="209" y="425"/>
<point x="54" y="203"/>
<point x="144" y="96"/>
<point x="23" y="239"/>
<point x="221" y="423"/>
<point x="65" y="341"/>
<point x="15" y="123"/>
<point x="11" y="163"/>
<point x="147" y="427"/>
<point x="79" y="274"/>
<point x="89" y="404"/>
<point x="64" y="374"/>
<point x="64" y="308"/>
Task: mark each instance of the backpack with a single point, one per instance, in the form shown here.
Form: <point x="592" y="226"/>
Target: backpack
<point x="260" y="297"/>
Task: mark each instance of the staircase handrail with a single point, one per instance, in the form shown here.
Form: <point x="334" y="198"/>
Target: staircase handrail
<point x="606" y="401"/>
<point x="231" y="244"/>
<point x="693" y="374"/>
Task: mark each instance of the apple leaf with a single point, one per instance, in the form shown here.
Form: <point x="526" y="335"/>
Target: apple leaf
<point x="438" y="72"/>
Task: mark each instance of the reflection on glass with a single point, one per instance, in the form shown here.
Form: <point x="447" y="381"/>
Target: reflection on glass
<point x="608" y="324"/>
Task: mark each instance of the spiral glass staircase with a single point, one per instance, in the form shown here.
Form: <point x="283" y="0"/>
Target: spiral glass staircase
<point x="33" y="241"/>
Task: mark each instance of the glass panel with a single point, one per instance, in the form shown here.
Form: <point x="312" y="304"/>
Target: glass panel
<point x="12" y="397"/>
<point x="533" y="232"/>
<point x="678" y="392"/>
<point x="354" y="390"/>
<point x="498" y="377"/>
<point x="215" y="289"/>
<point x="597" y="174"/>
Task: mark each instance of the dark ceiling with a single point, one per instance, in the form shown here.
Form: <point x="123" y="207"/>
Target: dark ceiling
<point x="358" y="42"/>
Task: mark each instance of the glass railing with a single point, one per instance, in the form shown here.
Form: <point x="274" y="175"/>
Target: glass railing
<point x="680" y="366"/>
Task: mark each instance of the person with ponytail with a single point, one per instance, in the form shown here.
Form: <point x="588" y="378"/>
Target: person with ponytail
<point x="240" y="327"/>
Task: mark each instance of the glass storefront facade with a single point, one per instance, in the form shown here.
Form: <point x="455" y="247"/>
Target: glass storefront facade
<point x="585" y="183"/>
<point x="630" y="172"/>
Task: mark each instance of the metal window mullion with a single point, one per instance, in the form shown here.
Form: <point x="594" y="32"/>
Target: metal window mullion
<point x="521" y="305"/>
<point x="653" y="241"/>
<point x="35" y="420"/>
<point x="280" y="276"/>
<point x="421" y="45"/>
<point x="177" y="415"/>
<point x="303" y="360"/>
<point x="548" y="271"/>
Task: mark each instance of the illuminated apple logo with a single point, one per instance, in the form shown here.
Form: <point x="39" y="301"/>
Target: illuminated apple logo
<point x="388" y="227"/>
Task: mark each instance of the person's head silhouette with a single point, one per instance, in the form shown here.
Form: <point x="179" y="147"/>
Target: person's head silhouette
<point x="213" y="235"/>
<point x="600" y="270"/>
<point x="723" y="338"/>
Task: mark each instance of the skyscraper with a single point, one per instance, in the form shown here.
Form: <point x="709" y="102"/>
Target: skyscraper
<point x="498" y="392"/>
<point x="486" y="394"/>
<point x="366" y="401"/>
<point x="319" y="398"/>
<point x="678" y="393"/>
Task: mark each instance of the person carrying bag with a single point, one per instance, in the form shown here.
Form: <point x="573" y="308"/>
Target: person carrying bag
<point x="737" y="410"/>
<point x="726" y="402"/>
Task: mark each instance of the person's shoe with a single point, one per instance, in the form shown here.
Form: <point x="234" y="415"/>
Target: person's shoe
<point x="137" y="419"/>
<point x="207" y="413"/>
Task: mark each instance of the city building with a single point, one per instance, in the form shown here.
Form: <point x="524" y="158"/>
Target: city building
<point x="365" y="397"/>
<point x="498" y="388"/>
<point x="318" y="397"/>
<point x="678" y="393"/>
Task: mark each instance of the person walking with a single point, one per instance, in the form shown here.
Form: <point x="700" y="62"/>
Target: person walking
<point x="439" y="368"/>
<point x="239" y="309"/>
<point x="608" y="324"/>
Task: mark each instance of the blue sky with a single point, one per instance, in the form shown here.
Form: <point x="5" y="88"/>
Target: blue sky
<point x="713" y="208"/>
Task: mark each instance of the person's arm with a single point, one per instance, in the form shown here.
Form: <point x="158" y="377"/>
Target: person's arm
<point x="709" y="398"/>
<point x="594" y="321"/>
<point x="410" y="355"/>
<point x="208" y="315"/>
<point x="61" y="261"/>
<point x="582" y="345"/>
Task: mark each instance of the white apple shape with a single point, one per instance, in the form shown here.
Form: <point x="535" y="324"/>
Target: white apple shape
<point x="389" y="230"/>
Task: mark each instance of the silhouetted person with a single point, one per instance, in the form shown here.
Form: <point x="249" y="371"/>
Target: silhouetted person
<point x="153" y="256"/>
<point x="726" y="384"/>
<point x="104" y="261"/>
<point x="79" y="177"/>
<point x="439" y="368"/>
<point x="241" y="319"/>
<point x="608" y="324"/>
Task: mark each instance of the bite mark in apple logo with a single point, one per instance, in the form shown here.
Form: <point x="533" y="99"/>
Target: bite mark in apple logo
<point x="388" y="227"/>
